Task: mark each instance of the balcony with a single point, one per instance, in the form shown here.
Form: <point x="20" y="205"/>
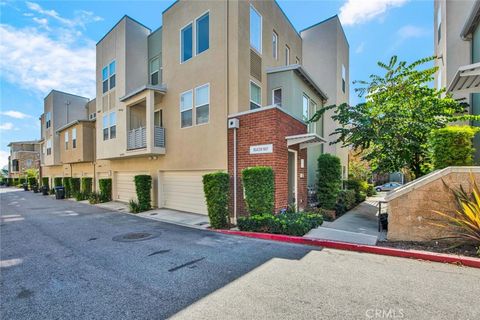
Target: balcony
<point x="137" y="138"/>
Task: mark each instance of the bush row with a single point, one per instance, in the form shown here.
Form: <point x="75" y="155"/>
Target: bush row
<point x="295" y="224"/>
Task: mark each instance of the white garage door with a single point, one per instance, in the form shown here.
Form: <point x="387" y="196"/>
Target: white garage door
<point x="183" y="190"/>
<point x="124" y="188"/>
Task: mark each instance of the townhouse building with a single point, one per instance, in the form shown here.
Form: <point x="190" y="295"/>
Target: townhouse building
<point x="457" y="46"/>
<point x="220" y="86"/>
<point x="24" y="155"/>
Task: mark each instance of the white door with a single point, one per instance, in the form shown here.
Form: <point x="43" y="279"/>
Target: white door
<point x="182" y="190"/>
<point x="124" y="186"/>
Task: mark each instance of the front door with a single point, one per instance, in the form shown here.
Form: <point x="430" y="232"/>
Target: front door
<point x="292" y="177"/>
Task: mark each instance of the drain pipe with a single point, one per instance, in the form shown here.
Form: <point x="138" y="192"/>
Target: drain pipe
<point x="235" y="175"/>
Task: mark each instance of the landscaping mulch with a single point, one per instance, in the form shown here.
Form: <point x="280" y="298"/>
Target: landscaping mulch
<point x="432" y="246"/>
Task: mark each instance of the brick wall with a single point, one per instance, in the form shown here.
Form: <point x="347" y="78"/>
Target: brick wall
<point x="269" y="126"/>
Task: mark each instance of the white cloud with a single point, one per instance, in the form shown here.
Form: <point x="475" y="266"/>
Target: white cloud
<point x="15" y="114"/>
<point x="37" y="60"/>
<point x="360" y="11"/>
<point x="6" y="126"/>
<point x="360" y="47"/>
<point x="3" y="158"/>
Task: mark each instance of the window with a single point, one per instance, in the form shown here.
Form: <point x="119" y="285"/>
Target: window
<point x="203" y="33"/>
<point x="255" y="96"/>
<point x="48" y="120"/>
<point x="158" y="118"/>
<point x="105" y="79"/>
<point x="105" y="127"/>
<point x="74" y="138"/>
<point x="287" y="55"/>
<point x="49" y="147"/>
<point x="113" y="125"/>
<point x="275" y="45"/>
<point x="92" y="116"/>
<point x="154" y="70"/>
<point x="305" y="107"/>
<point x="297" y="60"/>
<point x="186" y="102"/>
<point x="312" y="109"/>
<point x="439" y="23"/>
<point x="277" y="97"/>
<point x="202" y="104"/>
<point x="255" y="30"/>
<point x="66" y="140"/>
<point x="28" y="163"/>
<point x="112" y="72"/>
<point x="343" y="78"/>
<point x="186" y="43"/>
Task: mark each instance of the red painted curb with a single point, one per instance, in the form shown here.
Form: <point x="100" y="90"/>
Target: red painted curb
<point x="411" y="254"/>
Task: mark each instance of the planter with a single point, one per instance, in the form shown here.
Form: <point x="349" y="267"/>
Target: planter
<point x="45" y="190"/>
<point x="25" y="187"/>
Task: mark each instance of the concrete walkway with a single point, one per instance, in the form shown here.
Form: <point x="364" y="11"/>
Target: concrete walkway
<point x="187" y="219"/>
<point x="359" y="225"/>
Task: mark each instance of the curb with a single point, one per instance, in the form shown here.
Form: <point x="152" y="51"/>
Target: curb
<point x="410" y="254"/>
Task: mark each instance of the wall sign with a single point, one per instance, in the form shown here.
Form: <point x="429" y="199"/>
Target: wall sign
<point x="264" y="148"/>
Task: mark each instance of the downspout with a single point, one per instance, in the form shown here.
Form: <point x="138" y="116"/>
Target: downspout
<point x="235" y="175"/>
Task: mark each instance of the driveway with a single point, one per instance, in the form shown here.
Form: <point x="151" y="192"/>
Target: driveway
<point x="66" y="260"/>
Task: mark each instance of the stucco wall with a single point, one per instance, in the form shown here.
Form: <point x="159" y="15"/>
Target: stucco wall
<point x="411" y="214"/>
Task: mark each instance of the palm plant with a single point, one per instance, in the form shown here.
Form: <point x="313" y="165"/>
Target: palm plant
<point x="464" y="225"/>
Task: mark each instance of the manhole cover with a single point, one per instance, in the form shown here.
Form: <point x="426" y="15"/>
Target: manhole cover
<point x="134" y="236"/>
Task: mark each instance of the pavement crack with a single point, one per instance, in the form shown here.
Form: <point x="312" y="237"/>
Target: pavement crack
<point x="91" y="239"/>
<point x="185" y="264"/>
<point x="159" y="252"/>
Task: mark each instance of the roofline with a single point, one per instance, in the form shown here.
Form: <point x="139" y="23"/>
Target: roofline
<point x="469" y="24"/>
<point x="288" y="19"/>
<point x="270" y="107"/>
<point x="158" y="88"/>
<point x="299" y="68"/>
<point x="68" y="125"/>
<point x="170" y="6"/>
<point x="67" y="93"/>
<point x="154" y="31"/>
<point x="24" y="142"/>
<point x="326" y="20"/>
<point x="126" y="16"/>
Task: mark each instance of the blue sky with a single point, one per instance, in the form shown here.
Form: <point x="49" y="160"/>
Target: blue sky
<point x="51" y="44"/>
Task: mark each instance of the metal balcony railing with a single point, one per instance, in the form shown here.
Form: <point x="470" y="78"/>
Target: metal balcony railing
<point x="159" y="137"/>
<point x="137" y="138"/>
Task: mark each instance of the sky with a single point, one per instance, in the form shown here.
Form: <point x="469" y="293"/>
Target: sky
<point x="47" y="45"/>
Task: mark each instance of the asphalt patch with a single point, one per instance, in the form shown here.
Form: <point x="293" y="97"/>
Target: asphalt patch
<point x="185" y="264"/>
<point x="158" y="252"/>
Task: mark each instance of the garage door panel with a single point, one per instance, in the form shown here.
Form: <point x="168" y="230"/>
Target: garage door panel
<point x="124" y="188"/>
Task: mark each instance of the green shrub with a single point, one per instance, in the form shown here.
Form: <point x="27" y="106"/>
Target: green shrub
<point x="346" y="200"/>
<point x="74" y="186"/>
<point x="22" y="180"/>
<point x="80" y="196"/>
<point x="143" y="186"/>
<point x="371" y="190"/>
<point x="32" y="181"/>
<point x="57" y="181"/>
<point x="134" y="206"/>
<point x="296" y="224"/>
<point x="68" y="187"/>
<point x="259" y="188"/>
<point x="94" y="198"/>
<point x="216" y="187"/>
<point x="360" y="187"/>
<point x="86" y="185"/>
<point x="10" y="182"/>
<point x="452" y="146"/>
<point x="329" y="180"/>
<point x="105" y="190"/>
<point x="45" y="182"/>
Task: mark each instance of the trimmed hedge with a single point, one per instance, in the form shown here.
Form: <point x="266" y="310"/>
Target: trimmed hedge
<point x="452" y="146"/>
<point x="259" y="188"/>
<point x="143" y="186"/>
<point x="347" y="199"/>
<point x="295" y="224"/>
<point x="216" y="187"/>
<point x="32" y="181"/>
<point x="86" y="185"/>
<point x="45" y="182"/>
<point x="360" y="187"/>
<point x="329" y="180"/>
<point x="105" y="190"/>
<point x="57" y="181"/>
<point x="68" y="187"/>
<point x="75" y="186"/>
<point x="10" y="182"/>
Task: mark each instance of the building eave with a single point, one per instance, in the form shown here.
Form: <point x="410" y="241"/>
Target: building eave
<point x="159" y="88"/>
<point x="472" y="22"/>
<point x="68" y="125"/>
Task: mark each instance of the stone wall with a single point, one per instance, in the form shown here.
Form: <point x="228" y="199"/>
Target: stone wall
<point x="411" y="208"/>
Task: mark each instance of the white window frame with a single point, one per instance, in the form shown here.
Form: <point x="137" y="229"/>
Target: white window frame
<point x="152" y="72"/>
<point x="297" y="60"/>
<point x="312" y="106"/>
<point x="195" y="53"/>
<point x="287" y="55"/>
<point x="259" y="50"/>
<point x="250" y="95"/>
<point x="74" y="138"/>
<point x="49" y="147"/>
<point x="275" y="45"/>
<point x="181" y="111"/>
<point x="110" y="125"/>
<point x="193" y="42"/>
<point x="273" y="96"/>
<point x="66" y="140"/>
<point x="48" y="120"/>
<point x="305" y="96"/>
<point x="198" y="106"/>
<point x="344" y="78"/>
<point x="105" y="126"/>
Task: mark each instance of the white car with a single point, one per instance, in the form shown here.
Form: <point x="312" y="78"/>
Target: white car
<point x="388" y="186"/>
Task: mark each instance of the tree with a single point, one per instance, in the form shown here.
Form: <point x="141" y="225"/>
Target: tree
<point x="392" y="126"/>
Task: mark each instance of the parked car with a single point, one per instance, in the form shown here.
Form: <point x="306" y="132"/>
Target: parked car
<point x="388" y="186"/>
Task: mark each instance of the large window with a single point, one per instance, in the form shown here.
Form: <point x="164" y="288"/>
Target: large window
<point x="343" y="78"/>
<point x="154" y="71"/>
<point x="203" y="33"/>
<point x="305" y="107"/>
<point x="275" y="45"/>
<point x="255" y="96"/>
<point x="113" y="125"/>
<point x="186" y="102"/>
<point x="108" y="76"/>
<point x="74" y="138"/>
<point x="112" y="72"/>
<point x="202" y="104"/>
<point x="186" y="43"/>
<point x="105" y="126"/>
<point x="287" y="56"/>
<point x="105" y="79"/>
<point x="158" y="118"/>
<point x="49" y="147"/>
<point x="277" y="97"/>
<point x="255" y="29"/>
<point x="48" y="120"/>
<point x="66" y="140"/>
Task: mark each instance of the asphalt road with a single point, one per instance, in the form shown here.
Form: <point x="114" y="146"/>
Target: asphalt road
<point x="61" y="260"/>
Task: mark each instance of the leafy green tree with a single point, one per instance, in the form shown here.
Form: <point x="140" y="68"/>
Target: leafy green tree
<point x="400" y="110"/>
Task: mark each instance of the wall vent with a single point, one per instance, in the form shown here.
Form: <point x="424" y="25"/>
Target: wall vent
<point x="255" y="65"/>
